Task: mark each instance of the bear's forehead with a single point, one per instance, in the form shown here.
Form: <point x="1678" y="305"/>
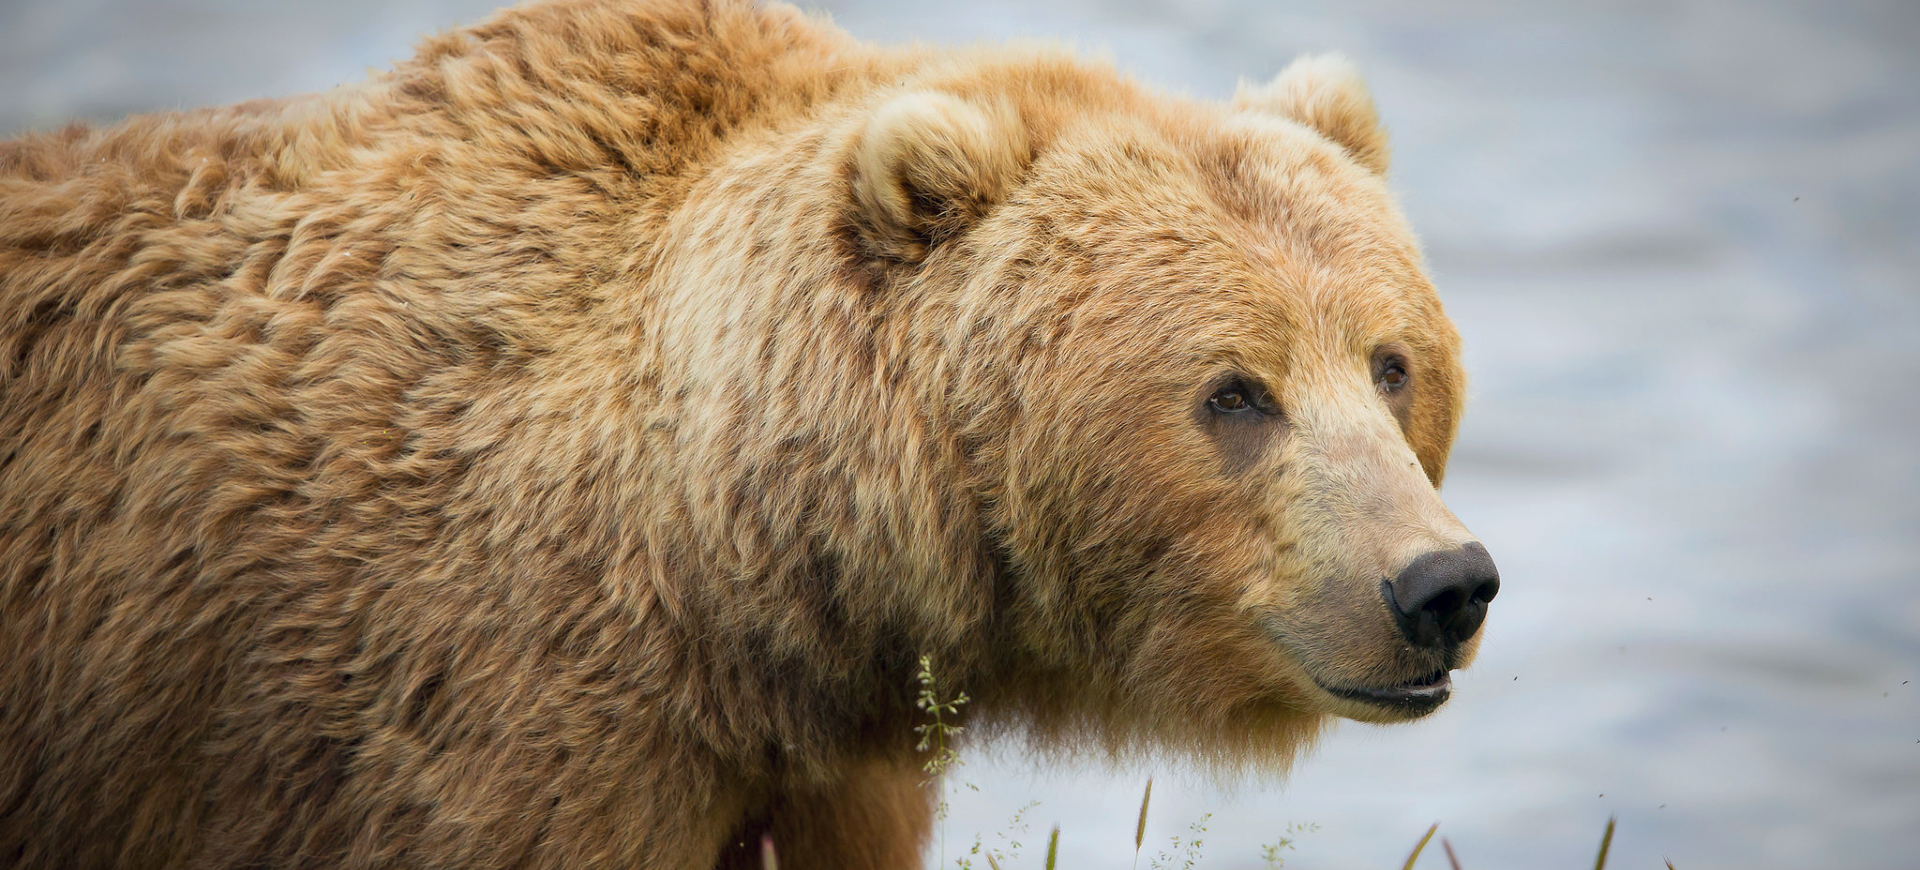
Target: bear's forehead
<point x="1261" y="220"/>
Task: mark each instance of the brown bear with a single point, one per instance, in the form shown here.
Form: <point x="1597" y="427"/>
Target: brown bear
<point x="559" y="451"/>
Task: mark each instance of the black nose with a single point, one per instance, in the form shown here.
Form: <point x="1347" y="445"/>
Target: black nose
<point x="1441" y="597"/>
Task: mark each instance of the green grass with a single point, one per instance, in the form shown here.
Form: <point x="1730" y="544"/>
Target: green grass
<point x="1187" y="852"/>
<point x="936" y="742"/>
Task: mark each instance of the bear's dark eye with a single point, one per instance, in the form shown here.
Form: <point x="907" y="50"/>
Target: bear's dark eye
<point x="1234" y="397"/>
<point x="1230" y="401"/>
<point x="1391" y="373"/>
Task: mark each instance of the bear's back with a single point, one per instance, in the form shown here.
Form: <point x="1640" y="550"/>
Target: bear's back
<point x="248" y="357"/>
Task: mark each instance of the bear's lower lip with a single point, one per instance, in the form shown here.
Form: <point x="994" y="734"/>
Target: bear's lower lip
<point x="1416" y="697"/>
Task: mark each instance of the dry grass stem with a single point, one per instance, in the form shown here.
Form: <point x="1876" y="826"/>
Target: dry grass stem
<point x="768" y="860"/>
<point x="1140" y="829"/>
<point x="1419" y="846"/>
<point x="1606" y="840"/>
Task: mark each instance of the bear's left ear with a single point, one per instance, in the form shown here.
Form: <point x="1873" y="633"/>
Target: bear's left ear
<point x="1325" y="92"/>
<point x="929" y="165"/>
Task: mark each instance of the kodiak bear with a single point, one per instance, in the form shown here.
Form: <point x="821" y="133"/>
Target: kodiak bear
<point x="559" y="451"/>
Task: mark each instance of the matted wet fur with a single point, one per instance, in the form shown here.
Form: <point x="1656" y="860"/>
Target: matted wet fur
<point x="557" y="452"/>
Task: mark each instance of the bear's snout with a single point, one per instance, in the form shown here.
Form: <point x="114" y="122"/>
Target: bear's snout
<point x="1440" y="598"/>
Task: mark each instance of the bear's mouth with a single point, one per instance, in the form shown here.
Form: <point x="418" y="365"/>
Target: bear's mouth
<point x="1416" y="697"/>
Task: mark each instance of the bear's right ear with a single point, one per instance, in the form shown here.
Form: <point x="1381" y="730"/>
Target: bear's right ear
<point x="1325" y="92"/>
<point x="928" y="166"/>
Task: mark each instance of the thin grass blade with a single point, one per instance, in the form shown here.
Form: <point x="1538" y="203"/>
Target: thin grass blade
<point x="1140" y="830"/>
<point x="1606" y="841"/>
<point x="768" y="860"/>
<point x="1053" y="847"/>
<point x="1451" y="860"/>
<point x="1419" y="846"/>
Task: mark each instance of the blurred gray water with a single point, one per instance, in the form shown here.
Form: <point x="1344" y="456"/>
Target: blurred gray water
<point x="1682" y="241"/>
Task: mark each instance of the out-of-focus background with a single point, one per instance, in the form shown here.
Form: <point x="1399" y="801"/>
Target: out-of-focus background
<point x="1682" y="241"/>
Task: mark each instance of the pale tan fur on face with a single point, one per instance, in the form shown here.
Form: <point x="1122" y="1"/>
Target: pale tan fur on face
<point x="558" y="451"/>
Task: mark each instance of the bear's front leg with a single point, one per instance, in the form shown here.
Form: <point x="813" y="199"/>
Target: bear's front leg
<point x="877" y="818"/>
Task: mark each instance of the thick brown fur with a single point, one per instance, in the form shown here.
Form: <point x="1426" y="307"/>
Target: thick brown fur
<point x="558" y="451"/>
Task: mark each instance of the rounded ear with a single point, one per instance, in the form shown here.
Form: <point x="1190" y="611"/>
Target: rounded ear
<point x="1325" y="92"/>
<point x="928" y="166"/>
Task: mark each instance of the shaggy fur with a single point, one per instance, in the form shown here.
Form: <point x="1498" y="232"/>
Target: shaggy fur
<point x="556" y="452"/>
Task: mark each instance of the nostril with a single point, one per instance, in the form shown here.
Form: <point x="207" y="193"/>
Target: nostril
<point x="1445" y="604"/>
<point x="1484" y="592"/>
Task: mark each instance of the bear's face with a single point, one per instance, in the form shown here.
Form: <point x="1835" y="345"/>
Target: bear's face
<point x="1212" y="395"/>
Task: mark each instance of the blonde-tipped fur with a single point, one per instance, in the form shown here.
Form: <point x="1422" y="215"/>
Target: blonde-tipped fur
<point x="558" y="451"/>
<point x="928" y="165"/>
<point x="1325" y="92"/>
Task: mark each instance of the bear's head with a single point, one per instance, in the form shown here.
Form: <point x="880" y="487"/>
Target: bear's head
<point x="1137" y="406"/>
